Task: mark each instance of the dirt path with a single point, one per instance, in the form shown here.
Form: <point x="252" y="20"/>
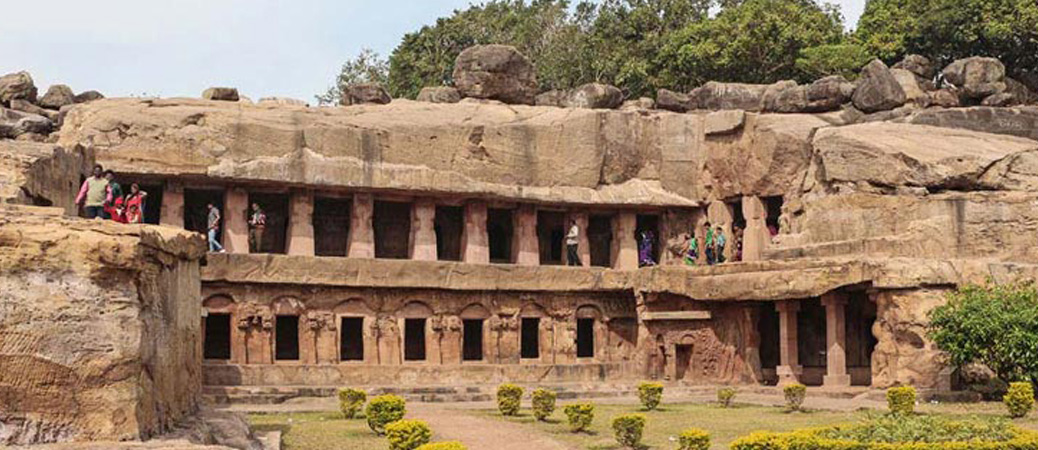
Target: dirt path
<point x="478" y="433"/>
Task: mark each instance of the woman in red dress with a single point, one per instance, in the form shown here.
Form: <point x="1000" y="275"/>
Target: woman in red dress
<point x="134" y="204"/>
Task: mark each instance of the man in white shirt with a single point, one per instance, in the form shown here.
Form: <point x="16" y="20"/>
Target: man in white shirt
<point x="572" y="241"/>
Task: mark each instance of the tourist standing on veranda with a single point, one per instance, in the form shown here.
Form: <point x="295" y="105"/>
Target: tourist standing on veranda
<point x="720" y="241"/>
<point x="135" y="204"/>
<point x="94" y="194"/>
<point x="257" y="224"/>
<point x="709" y="245"/>
<point x="213" y="227"/>
<point x="645" y="249"/>
<point x="114" y="209"/>
<point x="572" y="244"/>
<point x="693" y="250"/>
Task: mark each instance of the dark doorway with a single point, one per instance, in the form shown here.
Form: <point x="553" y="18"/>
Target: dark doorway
<point x="585" y="338"/>
<point x="600" y="240"/>
<point x="768" y="329"/>
<point x="499" y="235"/>
<point x="649" y="223"/>
<point x="860" y="315"/>
<point x="811" y="344"/>
<point x="152" y="203"/>
<point x="682" y="360"/>
<point x="550" y="233"/>
<point x="414" y="339"/>
<point x="773" y="207"/>
<point x="196" y="214"/>
<point x="286" y="338"/>
<point x="273" y="237"/>
<point x="331" y="226"/>
<point x="351" y="339"/>
<point x="449" y="225"/>
<point x="392" y="222"/>
<point x="530" y="340"/>
<point x="217" y="336"/>
<point x="738" y="219"/>
<point x="472" y="340"/>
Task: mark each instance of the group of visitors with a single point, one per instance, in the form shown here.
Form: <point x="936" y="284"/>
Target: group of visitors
<point x="714" y="243"/>
<point x="257" y="226"/>
<point x="102" y="198"/>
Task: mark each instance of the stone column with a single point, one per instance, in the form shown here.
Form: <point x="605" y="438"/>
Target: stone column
<point x="362" y="233"/>
<point x="172" y="212"/>
<point x="755" y="237"/>
<point x="236" y="220"/>
<point x="301" y="224"/>
<point x="625" y="246"/>
<point x="525" y="244"/>
<point x="475" y="248"/>
<point x="583" y="246"/>
<point x="836" y="340"/>
<point x="789" y="369"/>
<point x="423" y="233"/>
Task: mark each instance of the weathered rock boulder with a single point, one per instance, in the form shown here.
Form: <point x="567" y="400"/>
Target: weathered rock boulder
<point x="226" y="94"/>
<point x="673" y="101"/>
<point x="945" y="98"/>
<point x="918" y="65"/>
<point x="829" y="93"/>
<point x="638" y="103"/>
<point x="282" y="101"/>
<point x="366" y="93"/>
<point x="716" y="96"/>
<point x="1017" y="121"/>
<point x="496" y="72"/>
<point x="724" y="122"/>
<point x="784" y="97"/>
<point x="25" y="106"/>
<point x="439" y="94"/>
<point x="595" y="96"/>
<point x="17" y="123"/>
<point x="17" y="86"/>
<point x="878" y="89"/>
<point x="1021" y="93"/>
<point x="42" y="174"/>
<point x="554" y="97"/>
<point x="914" y="93"/>
<point x="88" y="96"/>
<point x="977" y="77"/>
<point x="57" y="95"/>
<point x="1000" y="99"/>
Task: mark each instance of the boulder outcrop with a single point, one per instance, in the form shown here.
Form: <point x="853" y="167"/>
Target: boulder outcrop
<point x="57" y="96"/>
<point x="595" y="96"/>
<point x="878" y="89"/>
<point x="17" y="86"/>
<point x="495" y="72"/>
<point x="715" y="96"/>
<point x="439" y="94"/>
<point x="977" y="77"/>
<point x="366" y="93"/>
<point x="673" y="101"/>
<point x="226" y="94"/>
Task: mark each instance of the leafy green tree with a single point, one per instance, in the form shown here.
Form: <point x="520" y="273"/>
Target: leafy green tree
<point x="995" y="325"/>
<point x="753" y="41"/>
<point x="886" y="27"/>
<point x="839" y="59"/>
<point x="366" y="67"/>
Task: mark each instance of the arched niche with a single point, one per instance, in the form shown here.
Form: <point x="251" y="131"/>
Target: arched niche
<point x="533" y="310"/>
<point x="475" y="311"/>
<point x="589" y="312"/>
<point x="219" y="303"/>
<point x="287" y="306"/>
<point x="353" y="307"/>
<point x="415" y="310"/>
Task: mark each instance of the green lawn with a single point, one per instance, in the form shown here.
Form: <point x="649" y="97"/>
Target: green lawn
<point x="313" y="431"/>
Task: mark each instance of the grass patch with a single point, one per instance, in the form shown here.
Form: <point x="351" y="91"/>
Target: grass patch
<point x="325" y="430"/>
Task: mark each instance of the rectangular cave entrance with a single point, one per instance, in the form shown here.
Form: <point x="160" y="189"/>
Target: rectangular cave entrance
<point x="392" y="222"/>
<point x="217" y="336"/>
<point x="449" y="226"/>
<point x="768" y="330"/>
<point x="586" y="338"/>
<point x="331" y="221"/>
<point x="351" y="339"/>
<point x="860" y="316"/>
<point x="600" y="239"/>
<point x="682" y="360"/>
<point x="530" y="345"/>
<point x="649" y="223"/>
<point x="499" y="235"/>
<point x="773" y="209"/>
<point x="196" y="213"/>
<point x="550" y="234"/>
<point x="472" y="340"/>
<point x="811" y="340"/>
<point x="273" y="237"/>
<point x="286" y="338"/>
<point x="414" y="339"/>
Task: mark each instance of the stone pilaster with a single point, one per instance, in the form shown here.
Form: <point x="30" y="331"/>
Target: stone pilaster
<point x="789" y="368"/>
<point x="625" y="247"/>
<point x="172" y="212"/>
<point x="755" y="237"/>
<point x="475" y="247"/>
<point x="301" y="224"/>
<point x="836" y="340"/>
<point x="423" y="232"/>
<point x="362" y="232"/>
<point x="525" y="244"/>
<point x="235" y="220"/>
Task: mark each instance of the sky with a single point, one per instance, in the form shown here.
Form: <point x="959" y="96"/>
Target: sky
<point x="168" y="48"/>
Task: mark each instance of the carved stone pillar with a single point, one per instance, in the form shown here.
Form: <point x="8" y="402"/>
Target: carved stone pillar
<point x="526" y="245"/>
<point x="362" y="232"/>
<point x="475" y="248"/>
<point x="755" y="237"/>
<point x="423" y="232"/>
<point x="172" y="212"/>
<point x="236" y="220"/>
<point x="301" y="224"/>
<point x="789" y="368"/>
<point x="836" y="340"/>
<point x="625" y="246"/>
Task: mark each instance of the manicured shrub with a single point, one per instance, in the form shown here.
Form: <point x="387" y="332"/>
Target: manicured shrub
<point x="446" y="445"/>
<point x="351" y="401"/>
<point x="383" y="410"/>
<point x="650" y="394"/>
<point x="628" y="429"/>
<point x="579" y="416"/>
<point x="1020" y="399"/>
<point x="543" y="403"/>
<point x="509" y="397"/>
<point x="408" y="434"/>
<point x="725" y="396"/>
<point x="901" y="400"/>
<point x="694" y="439"/>
<point x="795" y="394"/>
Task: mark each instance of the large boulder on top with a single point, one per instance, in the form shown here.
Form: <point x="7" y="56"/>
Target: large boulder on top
<point x="16" y="123"/>
<point x="554" y="97"/>
<point x="718" y="96"/>
<point x="977" y="77"/>
<point x="57" y="95"/>
<point x="282" y="101"/>
<point x="909" y="82"/>
<point x="918" y="65"/>
<point x="439" y="94"/>
<point x="1020" y="92"/>
<point x="878" y="89"/>
<point x="595" y="96"/>
<point x="88" y="96"/>
<point x="673" y="101"/>
<point x="361" y="93"/>
<point x="17" y="86"/>
<point x="785" y="97"/>
<point x="496" y="72"/>
<point x="226" y="94"/>
<point x="24" y="106"/>
<point x="945" y="98"/>
<point x="826" y="94"/>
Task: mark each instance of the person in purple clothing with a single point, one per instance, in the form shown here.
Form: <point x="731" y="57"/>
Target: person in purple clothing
<point x="645" y="249"/>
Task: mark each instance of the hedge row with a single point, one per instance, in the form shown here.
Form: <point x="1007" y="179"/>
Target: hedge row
<point x="810" y="440"/>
